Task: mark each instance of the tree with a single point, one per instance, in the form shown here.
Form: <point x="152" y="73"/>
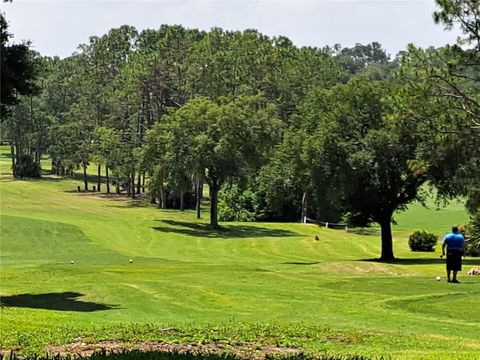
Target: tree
<point x="282" y="186"/>
<point x="218" y="141"/>
<point x="107" y="150"/>
<point x="19" y="70"/>
<point x="361" y="59"/>
<point x="444" y="88"/>
<point x="363" y="151"/>
<point x="462" y="13"/>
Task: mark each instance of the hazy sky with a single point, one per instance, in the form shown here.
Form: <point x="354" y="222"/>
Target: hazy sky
<point x="58" y="27"/>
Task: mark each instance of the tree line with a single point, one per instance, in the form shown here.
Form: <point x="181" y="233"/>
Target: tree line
<point x="277" y="132"/>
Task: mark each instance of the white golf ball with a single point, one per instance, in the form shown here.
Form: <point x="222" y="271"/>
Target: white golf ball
<point x="131" y="260"/>
<point x="72" y="262"/>
<point x="438" y="278"/>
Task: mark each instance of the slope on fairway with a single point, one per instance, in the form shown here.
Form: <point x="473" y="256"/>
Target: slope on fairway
<point x="27" y="241"/>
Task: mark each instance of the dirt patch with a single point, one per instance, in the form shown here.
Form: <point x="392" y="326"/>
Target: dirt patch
<point x="247" y="351"/>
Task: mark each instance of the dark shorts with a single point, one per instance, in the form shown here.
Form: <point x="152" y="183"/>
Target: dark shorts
<point x="454" y="260"/>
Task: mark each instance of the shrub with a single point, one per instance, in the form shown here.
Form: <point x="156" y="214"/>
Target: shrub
<point x="472" y="245"/>
<point x="420" y="240"/>
<point x="26" y="167"/>
<point x="237" y="205"/>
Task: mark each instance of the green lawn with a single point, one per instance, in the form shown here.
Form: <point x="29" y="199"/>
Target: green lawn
<point x="263" y="282"/>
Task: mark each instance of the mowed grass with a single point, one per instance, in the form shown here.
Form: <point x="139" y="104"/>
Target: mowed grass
<point x="250" y="282"/>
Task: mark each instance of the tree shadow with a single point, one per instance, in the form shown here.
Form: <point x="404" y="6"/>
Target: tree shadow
<point x="301" y="263"/>
<point x="225" y="231"/>
<point x="140" y="202"/>
<point x="364" y="231"/>
<point x="421" y="261"/>
<point x="47" y="178"/>
<point x="65" y="301"/>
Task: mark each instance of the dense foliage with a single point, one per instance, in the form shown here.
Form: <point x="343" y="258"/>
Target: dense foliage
<point x="421" y="240"/>
<point x="472" y="245"/>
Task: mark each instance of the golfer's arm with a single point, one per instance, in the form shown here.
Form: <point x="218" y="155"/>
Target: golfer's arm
<point x="443" y="248"/>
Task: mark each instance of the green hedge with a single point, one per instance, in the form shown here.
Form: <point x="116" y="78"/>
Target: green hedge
<point x="421" y="240"/>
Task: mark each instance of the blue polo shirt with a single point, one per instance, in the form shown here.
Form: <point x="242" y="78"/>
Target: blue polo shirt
<point x="454" y="241"/>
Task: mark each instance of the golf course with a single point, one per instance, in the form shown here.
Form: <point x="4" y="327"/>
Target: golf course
<point x="92" y="267"/>
<point x="240" y="180"/>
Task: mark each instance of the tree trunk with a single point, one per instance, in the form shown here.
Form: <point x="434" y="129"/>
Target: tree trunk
<point x="387" y="240"/>
<point x="132" y="184"/>
<point x="99" y="180"/>
<point x="107" y="179"/>
<point x="199" y="188"/>
<point x="18" y="153"/>
<point x="36" y="159"/>
<point x="153" y="200"/>
<point x="139" y="183"/>
<point x="117" y="188"/>
<point x="38" y="152"/>
<point x="213" y="186"/>
<point x="85" y="179"/>
<point x="163" y="199"/>
<point x="304" y="208"/>
<point x="143" y="183"/>
<point x="181" y="200"/>
<point x="12" y="154"/>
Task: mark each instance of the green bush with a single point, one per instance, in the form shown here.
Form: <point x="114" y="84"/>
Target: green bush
<point x="420" y="240"/>
<point x="237" y="205"/>
<point x="472" y="245"/>
<point x="26" y="167"/>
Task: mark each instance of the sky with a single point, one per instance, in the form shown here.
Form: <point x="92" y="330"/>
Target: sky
<point x="58" y="27"/>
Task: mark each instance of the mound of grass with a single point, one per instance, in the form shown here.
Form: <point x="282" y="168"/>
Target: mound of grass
<point x="52" y="242"/>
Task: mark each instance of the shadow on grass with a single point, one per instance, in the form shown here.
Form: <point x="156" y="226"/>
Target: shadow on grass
<point x="421" y="261"/>
<point x="225" y="231"/>
<point x="140" y="202"/>
<point x="46" y="175"/>
<point x="364" y="231"/>
<point x="189" y="352"/>
<point x="7" y="177"/>
<point x="301" y="263"/>
<point x="65" y="301"/>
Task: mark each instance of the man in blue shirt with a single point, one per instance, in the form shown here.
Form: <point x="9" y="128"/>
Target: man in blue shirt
<point x="454" y="242"/>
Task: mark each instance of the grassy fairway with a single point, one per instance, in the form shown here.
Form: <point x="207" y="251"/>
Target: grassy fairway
<point x="250" y="282"/>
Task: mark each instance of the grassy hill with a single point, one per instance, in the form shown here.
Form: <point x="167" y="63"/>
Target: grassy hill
<point x="263" y="282"/>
